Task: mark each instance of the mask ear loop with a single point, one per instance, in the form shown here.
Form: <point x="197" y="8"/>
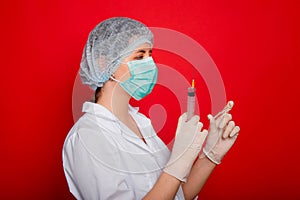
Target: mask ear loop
<point x="112" y="77"/>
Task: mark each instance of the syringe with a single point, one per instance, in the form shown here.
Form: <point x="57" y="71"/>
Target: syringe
<point x="191" y="100"/>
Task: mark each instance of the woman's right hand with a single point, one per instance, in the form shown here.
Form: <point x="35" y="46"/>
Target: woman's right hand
<point x="188" y="143"/>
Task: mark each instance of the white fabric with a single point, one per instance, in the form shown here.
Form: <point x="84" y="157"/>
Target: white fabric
<point x="103" y="159"/>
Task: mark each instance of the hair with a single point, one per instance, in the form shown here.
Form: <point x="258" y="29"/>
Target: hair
<point x="97" y="94"/>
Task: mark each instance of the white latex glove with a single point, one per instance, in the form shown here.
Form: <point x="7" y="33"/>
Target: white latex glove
<point x="221" y="135"/>
<point x="187" y="145"/>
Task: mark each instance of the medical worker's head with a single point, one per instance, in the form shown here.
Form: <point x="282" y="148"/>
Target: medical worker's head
<point x="110" y="44"/>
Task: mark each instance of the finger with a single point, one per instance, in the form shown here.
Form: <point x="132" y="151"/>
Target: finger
<point x="204" y="132"/>
<point x="194" y="120"/>
<point x="225" y="110"/>
<point x="219" y="114"/>
<point x="224" y="121"/>
<point x="199" y="127"/>
<point x="228" y="129"/>
<point x="211" y="118"/>
<point x="212" y="123"/>
<point x="183" y="117"/>
<point x="235" y="131"/>
<point x="199" y="139"/>
<point x="229" y="106"/>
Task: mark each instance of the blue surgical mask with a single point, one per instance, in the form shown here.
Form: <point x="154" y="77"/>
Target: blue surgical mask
<point x="142" y="80"/>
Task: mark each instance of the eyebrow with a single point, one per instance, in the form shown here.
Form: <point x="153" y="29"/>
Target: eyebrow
<point x="143" y="51"/>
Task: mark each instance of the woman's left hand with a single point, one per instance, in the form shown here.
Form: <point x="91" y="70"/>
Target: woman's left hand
<point x="221" y="135"/>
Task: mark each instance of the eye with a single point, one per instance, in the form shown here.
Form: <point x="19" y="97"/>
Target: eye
<point x="140" y="57"/>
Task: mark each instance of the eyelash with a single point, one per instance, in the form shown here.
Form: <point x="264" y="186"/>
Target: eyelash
<point x="139" y="57"/>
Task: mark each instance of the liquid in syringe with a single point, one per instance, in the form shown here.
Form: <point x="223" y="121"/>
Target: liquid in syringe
<point x="191" y="100"/>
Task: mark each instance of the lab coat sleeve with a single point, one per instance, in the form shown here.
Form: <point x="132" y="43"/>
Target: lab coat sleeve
<point x="87" y="177"/>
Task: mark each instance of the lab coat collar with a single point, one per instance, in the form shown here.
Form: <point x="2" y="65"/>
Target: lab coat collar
<point x="101" y="111"/>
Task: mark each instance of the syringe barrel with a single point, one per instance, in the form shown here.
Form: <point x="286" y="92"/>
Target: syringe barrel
<point x="191" y="102"/>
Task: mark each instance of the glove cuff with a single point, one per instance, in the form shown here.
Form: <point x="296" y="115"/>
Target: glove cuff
<point x="169" y="170"/>
<point x="212" y="157"/>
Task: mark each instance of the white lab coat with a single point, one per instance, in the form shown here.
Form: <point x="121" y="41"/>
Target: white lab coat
<point x="104" y="159"/>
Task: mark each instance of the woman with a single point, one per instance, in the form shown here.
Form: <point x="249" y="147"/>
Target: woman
<point x="113" y="152"/>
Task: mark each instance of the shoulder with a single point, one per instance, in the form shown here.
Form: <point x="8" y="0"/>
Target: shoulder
<point x="90" y="133"/>
<point x="84" y="125"/>
<point x="89" y="142"/>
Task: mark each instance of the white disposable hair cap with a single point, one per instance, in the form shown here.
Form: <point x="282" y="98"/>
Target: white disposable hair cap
<point x="108" y="43"/>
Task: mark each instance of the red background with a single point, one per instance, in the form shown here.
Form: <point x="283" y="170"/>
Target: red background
<point x="253" y="43"/>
